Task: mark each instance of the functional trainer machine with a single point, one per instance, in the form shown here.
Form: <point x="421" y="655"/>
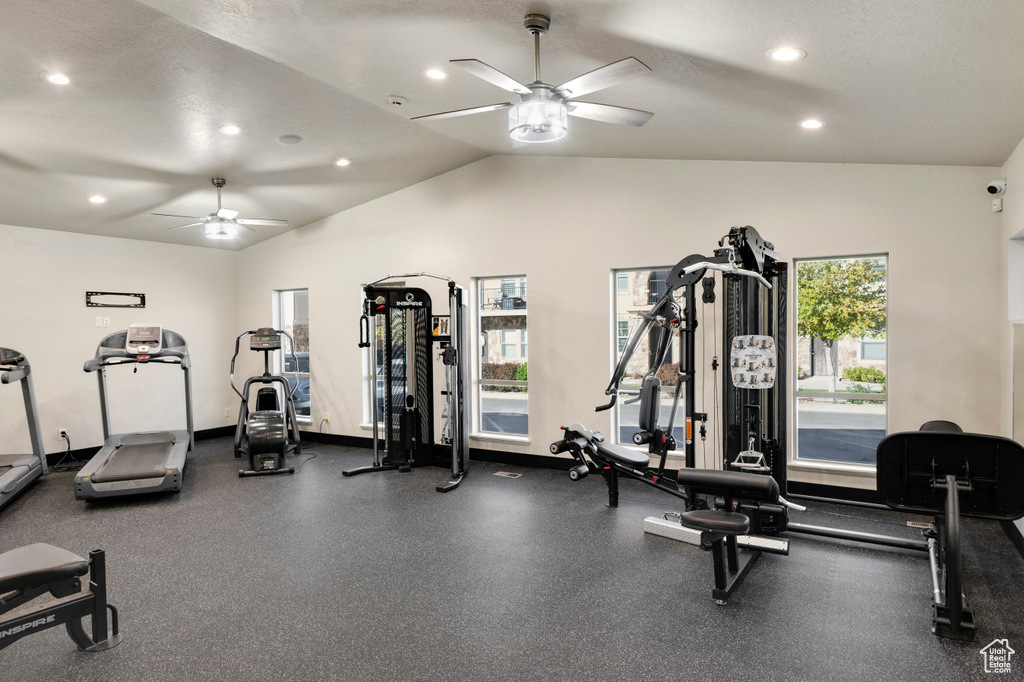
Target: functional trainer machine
<point x="942" y="471"/>
<point x="134" y="463"/>
<point x="34" y="570"/>
<point x="262" y="435"/>
<point x="18" y="471"/>
<point x="401" y="332"/>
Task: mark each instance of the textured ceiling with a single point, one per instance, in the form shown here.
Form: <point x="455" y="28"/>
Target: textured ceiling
<point x="908" y="82"/>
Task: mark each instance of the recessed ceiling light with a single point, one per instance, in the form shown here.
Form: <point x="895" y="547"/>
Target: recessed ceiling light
<point x="436" y="74"/>
<point x="813" y="124"/>
<point x="230" y="129"/>
<point x="786" y="54"/>
<point x="342" y="162"/>
<point x="57" y="78"/>
<point x="289" y="139"/>
<point x="97" y="199"/>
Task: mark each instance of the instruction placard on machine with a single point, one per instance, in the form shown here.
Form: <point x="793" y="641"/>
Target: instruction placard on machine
<point x="753" y="362"/>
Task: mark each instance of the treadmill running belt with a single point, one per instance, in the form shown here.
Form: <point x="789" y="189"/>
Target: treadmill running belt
<point x="133" y="461"/>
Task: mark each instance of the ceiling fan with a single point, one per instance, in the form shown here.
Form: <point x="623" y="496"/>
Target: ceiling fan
<point x="222" y="224"/>
<point x="540" y="115"/>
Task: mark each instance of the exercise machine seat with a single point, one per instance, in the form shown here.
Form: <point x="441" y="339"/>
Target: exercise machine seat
<point x="942" y="426"/>
<point x="715" y="521"/>
<point x="38" y="564"/>
<point x="623" y="454"/>
<point x="730" y="482"/>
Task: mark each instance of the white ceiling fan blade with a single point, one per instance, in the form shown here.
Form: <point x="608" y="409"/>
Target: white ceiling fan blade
<point x="175" y="215"/>
<point x="609" y="113"/>
<point x="269" y="222"/>
<point x="604" y="77"/>
<point x="492" y="75"/>
<point x="179" y="227"/>
<point x="226" y="213"/>
<point x="464" y="112"/>
<point x="239" y="223"/>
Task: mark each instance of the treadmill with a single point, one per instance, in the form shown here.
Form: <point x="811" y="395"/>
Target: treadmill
<point x="17" y="471"/>
<point x="137" y="463"/>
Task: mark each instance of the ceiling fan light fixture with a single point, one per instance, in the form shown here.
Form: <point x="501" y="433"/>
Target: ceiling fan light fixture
<point x="220" y="229"/>
<point x="538" y="121"/>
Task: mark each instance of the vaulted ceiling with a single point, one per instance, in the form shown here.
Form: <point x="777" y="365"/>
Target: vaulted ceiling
<point x="152" y="81"/>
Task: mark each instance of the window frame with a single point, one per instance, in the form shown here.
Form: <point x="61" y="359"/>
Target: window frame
<point x="796" y="463"/>
<point x="519" y="341"/>
<point x="278" y="309"/>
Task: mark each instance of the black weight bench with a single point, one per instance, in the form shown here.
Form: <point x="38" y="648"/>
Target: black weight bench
<point x="942" y="471"/>
<point x="34" y="570"/>
<point x="719" y="527"/>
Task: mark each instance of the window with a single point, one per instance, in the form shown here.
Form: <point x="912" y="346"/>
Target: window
<point x="292" y="313"/>
<point x="841" y="366"/>
<point x="642" y="289"/>
<point x="872" y="350"/>
<point x="622" y="334"/>
<point x="501" y="392"/>
<point x="622" y="283"/>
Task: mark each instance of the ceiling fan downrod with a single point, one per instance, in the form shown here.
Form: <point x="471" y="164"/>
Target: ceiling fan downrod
<point x="537" y="25"/>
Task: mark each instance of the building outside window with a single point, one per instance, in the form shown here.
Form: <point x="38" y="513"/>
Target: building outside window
<point x="293" y="317"/>
<point x="501" y="392"/>
<point x="842" y="379"/>
<point x="636" y="292"/>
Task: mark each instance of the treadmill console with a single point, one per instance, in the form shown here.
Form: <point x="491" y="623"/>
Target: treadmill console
<point x="265" y="338"/>
<point x="144" y="339"/>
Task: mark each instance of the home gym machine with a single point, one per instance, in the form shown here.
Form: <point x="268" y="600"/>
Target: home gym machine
<point x="18" y="471"/>
<point x="723" y="508"/>
<point x="34" y="570"/>
<point x="401" y="332"/>
<point x="262" y="434"/>
<point x="942" y="471"/>
<point x="146" y="462"/>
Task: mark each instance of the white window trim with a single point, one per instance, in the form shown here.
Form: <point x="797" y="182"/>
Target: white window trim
<point x="475" y="416"/>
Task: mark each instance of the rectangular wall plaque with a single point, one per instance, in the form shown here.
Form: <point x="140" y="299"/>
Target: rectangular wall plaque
<point x="113" y="299"/>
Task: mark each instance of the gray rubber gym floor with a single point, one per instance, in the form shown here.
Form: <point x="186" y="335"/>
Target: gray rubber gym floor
<point x="377" y="577"/>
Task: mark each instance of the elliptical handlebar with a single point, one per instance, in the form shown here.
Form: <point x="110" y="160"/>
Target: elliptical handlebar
<point x="291" y="351"/>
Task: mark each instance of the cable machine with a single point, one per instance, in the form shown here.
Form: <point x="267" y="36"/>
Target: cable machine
<point x="402" y="333"/>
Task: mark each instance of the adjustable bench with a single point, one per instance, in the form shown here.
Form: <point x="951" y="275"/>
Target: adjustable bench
<point x="719" y="527"/>
<point x="31" y="571"/>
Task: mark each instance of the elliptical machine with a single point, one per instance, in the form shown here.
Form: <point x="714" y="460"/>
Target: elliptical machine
<point x="263" y="434"/>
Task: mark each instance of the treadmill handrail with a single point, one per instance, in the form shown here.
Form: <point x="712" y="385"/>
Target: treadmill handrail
<point x="124" y="358"/>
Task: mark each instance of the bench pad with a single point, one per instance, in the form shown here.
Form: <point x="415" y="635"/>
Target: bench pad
<point x="38" y="564"/>
<point x="715" y="482"/>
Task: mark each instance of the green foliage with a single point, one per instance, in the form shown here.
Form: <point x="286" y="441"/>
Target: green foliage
<point x="868" y="374"/>
<point x="857" y="388"/>
<point x="503" y="371"/>
<point x="840" y="298"/>
<point x="521" y="372"/>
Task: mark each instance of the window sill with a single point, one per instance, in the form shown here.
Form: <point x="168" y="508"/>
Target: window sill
<point x="500" y="438"/>
<point x="864" y="470"/>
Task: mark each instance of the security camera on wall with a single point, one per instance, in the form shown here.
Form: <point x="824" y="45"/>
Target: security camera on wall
<point x="997" y="187"/>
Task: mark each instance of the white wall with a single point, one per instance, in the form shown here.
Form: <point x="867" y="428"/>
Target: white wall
<point x="44" y="277"/>
<point x="566" y="222"/>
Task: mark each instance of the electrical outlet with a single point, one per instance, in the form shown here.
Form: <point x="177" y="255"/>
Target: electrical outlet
<point x="327" y="416"/>
<point x="227" y="411"/>
<point x="63" y="433"/>
<point x="106" y="321"/>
